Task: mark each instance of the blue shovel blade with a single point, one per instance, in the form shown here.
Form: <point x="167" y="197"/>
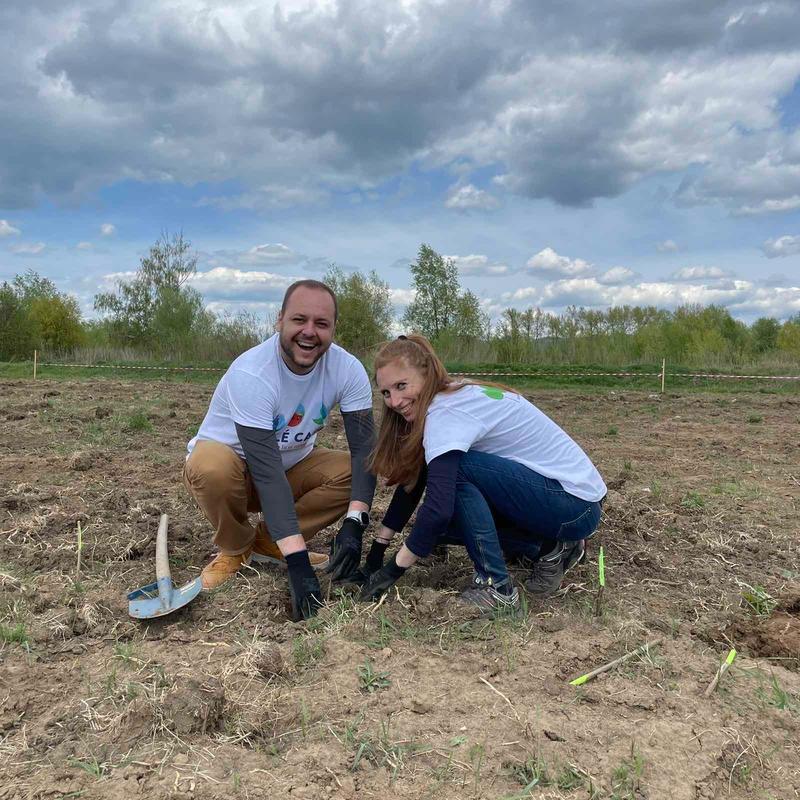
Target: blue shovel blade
<point x="160" y="598"/>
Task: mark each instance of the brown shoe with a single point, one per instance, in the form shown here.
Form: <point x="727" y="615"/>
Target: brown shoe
<point x="222" y="568"/>
<point x="265" y="551"/>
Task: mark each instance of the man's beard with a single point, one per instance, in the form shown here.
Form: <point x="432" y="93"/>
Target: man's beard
<point x="287" y="348"/>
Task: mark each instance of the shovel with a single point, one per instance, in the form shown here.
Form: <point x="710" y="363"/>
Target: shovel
<point x="160" y="598"/>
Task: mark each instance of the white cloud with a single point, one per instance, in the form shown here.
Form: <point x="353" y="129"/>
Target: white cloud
<point x="84" y="246"/>
<point x="349" y="94"/>
<point x="107" y="229"/>
<point x="269" y="253"/>
<point x="743" y="299"/>
<point x="228" y="283"/>
<point x="700" y="274"/>
<point x="616" y="275"/>
<point x="667" y="246"/>
<point x="269" y="197"/>
<point x="782" y="246"/>
<point x="478" y="265"/>
<point x="29" y="248"/>
<point x="402" y="297"/>
<point x="548" y="262"/>
<point x="7" y="229"/>
<point x="770" y="206"/>
<point x="469" y="197"/>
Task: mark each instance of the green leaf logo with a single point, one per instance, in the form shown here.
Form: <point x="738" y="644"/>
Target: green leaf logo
<point x="490" y="391"/>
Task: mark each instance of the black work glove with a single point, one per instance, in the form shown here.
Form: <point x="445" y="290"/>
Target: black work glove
<point x="382" y="580"/>
<point x="303" y="586"/>
<point x="372" y="563"/>
<point x="346" y="550"/>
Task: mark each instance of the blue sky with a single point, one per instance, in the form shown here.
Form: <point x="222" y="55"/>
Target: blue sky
<point x="558" y="156"/>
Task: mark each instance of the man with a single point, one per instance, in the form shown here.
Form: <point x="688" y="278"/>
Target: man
<point x="255" y="451"/>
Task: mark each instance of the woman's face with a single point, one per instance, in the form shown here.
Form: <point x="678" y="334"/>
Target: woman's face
<point x="400" y="385"/>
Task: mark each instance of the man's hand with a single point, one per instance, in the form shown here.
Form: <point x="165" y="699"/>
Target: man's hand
<point x="382" y="580"/>
<point x="346" y="550"/>
<point x="303" y="586"/>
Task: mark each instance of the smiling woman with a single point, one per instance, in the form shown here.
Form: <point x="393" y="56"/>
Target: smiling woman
<point x="500" y="478"/>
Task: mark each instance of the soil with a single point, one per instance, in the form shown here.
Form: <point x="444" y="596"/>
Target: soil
<point x="415" y="697"/>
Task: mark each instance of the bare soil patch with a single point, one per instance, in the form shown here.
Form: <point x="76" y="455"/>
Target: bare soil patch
<point x="415" y="697"/>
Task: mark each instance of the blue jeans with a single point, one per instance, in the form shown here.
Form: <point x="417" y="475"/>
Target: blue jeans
<point x="503" y="507"/>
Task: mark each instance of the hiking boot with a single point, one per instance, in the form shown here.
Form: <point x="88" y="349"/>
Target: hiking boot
<point x="488" y="599"/>
<point x="265" y="551"/>
<point x="548" y="572"/>
<point x="222" y="568"/>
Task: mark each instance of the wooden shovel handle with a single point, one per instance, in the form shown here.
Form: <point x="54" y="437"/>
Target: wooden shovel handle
<point x="162" y="559"/>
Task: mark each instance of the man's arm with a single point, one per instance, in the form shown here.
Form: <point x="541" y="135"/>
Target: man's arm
<point x="269" y="477"/>
<point x="277" y="505"/>
<point x="359" y="427"/>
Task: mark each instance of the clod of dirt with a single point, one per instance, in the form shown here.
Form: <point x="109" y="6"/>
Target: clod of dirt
<point x="101" y="412"/>
<point x="194" y="706"/>
<point x="82" y="461"/>
<point x="268" y="662"/>
<point x="776" y="636"/>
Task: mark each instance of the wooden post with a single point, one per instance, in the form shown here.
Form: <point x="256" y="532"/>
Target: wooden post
<point x="663" y="373"/>
<point x="35" y="359"/>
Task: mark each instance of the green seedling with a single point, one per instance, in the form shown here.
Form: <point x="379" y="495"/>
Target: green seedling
<point x="626" y="778"/>
<point x="754" y="419"/>
<point x="779" y="698"/>
<point x="601" y="582"/>
<point x="80" y="550"/>
<point x="97" y="769"/>
<point x="759" y="601"/>
<point x="307" y="650"/>
<point x="612" y="430"/>
<point x="125" y="652"/>
<point x="371" y="681"/>
<point x="693" y="501"/>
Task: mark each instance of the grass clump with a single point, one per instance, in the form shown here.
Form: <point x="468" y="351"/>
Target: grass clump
<point x="369" y="680"/>
<point x="137" y="422"/>
<point x="13" y="634"/>
<point x="693" y="501"/>
<point x="759" y="601"/>
<point x="626" y="778"/>
<point x="308" y="650"/>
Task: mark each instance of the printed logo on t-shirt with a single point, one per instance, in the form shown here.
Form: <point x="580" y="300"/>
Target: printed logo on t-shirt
<point x="323" y="415"/>
<point x="278" y="423"/>
<point x="492" y="392"/>
<point x="297" y="417"/>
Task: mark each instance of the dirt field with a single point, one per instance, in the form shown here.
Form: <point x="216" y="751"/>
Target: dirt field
<point x="413" y="698"/>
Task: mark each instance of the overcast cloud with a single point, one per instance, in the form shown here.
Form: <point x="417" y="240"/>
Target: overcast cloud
<point x="571" y="153"/>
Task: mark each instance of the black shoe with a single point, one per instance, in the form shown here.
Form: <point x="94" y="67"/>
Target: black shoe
<point x="548" y="572"/>
<point x="488" y="599"/>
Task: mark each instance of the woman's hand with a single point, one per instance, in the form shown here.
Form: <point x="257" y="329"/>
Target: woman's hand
<point x="382" y="580"/>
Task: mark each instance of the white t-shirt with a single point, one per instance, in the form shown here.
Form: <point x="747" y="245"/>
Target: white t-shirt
<point x="505" y="424"/>
<point x="260" y="391"/>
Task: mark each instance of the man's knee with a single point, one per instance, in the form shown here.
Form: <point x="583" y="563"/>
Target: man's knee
<point x="213" y="468"/>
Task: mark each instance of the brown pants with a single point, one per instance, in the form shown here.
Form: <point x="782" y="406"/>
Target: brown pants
<point x="223" y="488"/>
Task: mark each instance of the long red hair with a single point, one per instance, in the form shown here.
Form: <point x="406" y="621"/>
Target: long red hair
<point x="399" y="455"/>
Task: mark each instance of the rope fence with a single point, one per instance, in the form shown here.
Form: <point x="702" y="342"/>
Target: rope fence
<point x="662" y="375"/>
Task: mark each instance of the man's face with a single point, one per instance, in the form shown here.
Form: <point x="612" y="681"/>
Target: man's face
<point x="306" y="328"/>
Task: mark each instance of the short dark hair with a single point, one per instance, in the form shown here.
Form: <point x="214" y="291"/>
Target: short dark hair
<point x="310" y="283"/>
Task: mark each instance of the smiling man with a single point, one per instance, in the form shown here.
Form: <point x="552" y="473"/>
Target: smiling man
<point x="255" y="451"/>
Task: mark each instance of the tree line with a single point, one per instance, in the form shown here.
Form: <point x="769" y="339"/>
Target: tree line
<point x="158" y="315"/>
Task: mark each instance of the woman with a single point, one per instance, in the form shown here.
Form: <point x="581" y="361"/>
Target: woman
<point x="499" y="476"/>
